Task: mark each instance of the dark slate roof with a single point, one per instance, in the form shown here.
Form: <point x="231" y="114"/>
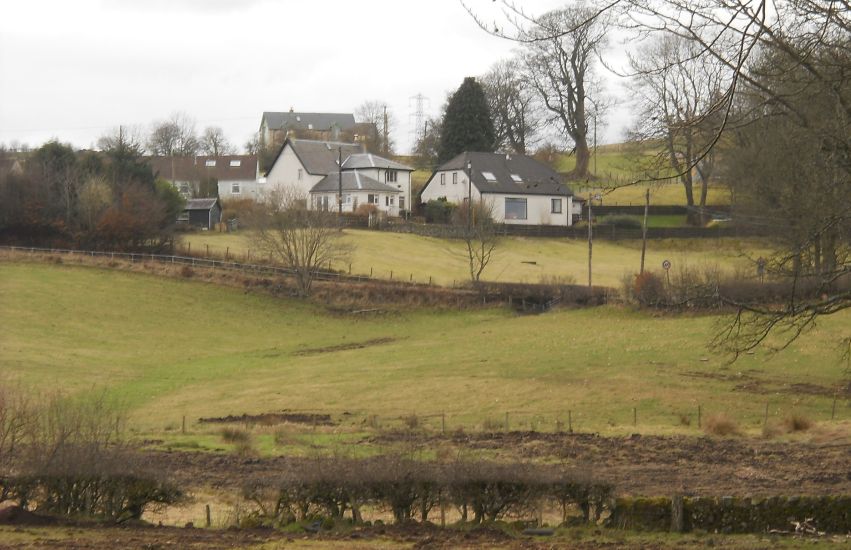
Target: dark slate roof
<point x="368" y="160"/>
<point x="200" y="204"/>
<point x="309" y="121"/>
<point x="195" y="168"/>
<point x="536" y="178"/>
<point x="352" y="181"/>
<point x="320" y="157"/>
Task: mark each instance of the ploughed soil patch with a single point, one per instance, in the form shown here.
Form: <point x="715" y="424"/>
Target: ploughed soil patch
<point x="635" y="465"/>
<point x="745" y="382"/>
<point x="269" y="419"/>
<point x="347" y="346"/>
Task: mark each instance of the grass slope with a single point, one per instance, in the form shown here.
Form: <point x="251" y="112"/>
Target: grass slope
<point x="517" y="259"/>
<point x="169" y="348"/>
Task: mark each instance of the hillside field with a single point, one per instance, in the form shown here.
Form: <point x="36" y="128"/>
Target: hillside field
<point x="517" y="259"/>
<point x="169" y="348"/>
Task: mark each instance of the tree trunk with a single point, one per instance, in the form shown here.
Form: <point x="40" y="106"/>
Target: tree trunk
<point x="583" y="159"/>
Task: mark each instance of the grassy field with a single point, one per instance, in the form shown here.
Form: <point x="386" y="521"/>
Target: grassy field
<point x="617" y="166"/>
<point x="517" y="259"/>
<point x="168" y="348"/>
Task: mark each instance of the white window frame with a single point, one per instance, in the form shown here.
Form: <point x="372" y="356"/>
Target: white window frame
<point x="454" y="178"/>
<point x="210" y="163"/>
<point x="235" y="188"/>
<point x="235" y="163"/>
<point x="443" y="178"/>
<point x="300" y="174"/>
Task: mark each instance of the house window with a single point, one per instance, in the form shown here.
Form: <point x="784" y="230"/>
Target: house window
<point x="556" y="206"/>
<point x="442" y="179"/>
<point x="515" y="209"/>
<point x="209" y="163"/>
<point x="184" y="188"/>
<point x="235" y="163"/>
<point x="454" y="178"/>
<point x="391" y="175"/>
<point x="489" y="176"/>
<point x="325" y="202"/>
<point x="348" y="199"/>
<point x="372" y="199"/>
<point x="300" y="174"/>
<point x="234" y="189"/>
<point x="516" y="178"/>
<point x="401" y="203"/>
<point x="392" y="201"/>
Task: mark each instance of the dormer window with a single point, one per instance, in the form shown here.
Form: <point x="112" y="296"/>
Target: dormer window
<point x="210" y="163"/>
<point x="310" y="126"/>
<point x="489" y="176"/>
<point x="235" y="163"/>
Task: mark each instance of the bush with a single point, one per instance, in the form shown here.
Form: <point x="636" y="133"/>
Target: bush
<point x="721" y="424"/>
<point x="648" y="289"/>
<point x="797" y="423"/>
<point x="365" y="210"/>
<point x="439" y="211"/>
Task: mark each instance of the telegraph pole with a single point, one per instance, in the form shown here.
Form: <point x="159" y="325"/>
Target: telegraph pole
<point x="340" y="183"/>
<point x="590" y="196"/>
<point x="386" y="133"/>
<point x="644" y="230"/>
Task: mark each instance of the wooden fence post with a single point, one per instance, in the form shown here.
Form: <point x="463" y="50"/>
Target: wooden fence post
<point x="677" y="520"/>
<point x="209" y="519"/>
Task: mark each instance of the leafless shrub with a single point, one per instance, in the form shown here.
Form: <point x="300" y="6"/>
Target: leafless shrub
<point x="235" y="435"/>
<point x="187" y="272"/>
<point x="797" y="422"/>
<point x="412" y="421"/>
<point x="73" y="460"/>
<point x="721" y="424"/>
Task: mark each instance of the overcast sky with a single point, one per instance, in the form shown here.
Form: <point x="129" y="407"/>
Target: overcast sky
<point x="72" y="70"/>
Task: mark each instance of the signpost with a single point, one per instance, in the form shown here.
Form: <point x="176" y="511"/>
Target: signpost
<point x="666" y="265"/>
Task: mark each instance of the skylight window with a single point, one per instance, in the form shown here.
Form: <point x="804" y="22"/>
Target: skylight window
<point x="516" y="178"/>
<point x="489" y="176"/>
<point x="236" y="163"/>
<point x="210" y="163"/>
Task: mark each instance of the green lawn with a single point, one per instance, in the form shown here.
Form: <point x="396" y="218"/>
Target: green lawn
<point x="169" y="348"/>
<point x="517" y="259"/>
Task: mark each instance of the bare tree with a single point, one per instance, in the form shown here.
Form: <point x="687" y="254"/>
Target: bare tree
<point x="377" y="113"/>
<point x="559" y="55"/>
<point x="174" y="137"/>
<point x="475" y="225"/>
<point x="304" y="240"/>
<point x="214" y="143"/>
<point x="680" y="101"/>
<point x="512" y="106"/>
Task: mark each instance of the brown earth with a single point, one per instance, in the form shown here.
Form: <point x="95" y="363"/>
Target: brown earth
<point x="269" y="419"/>
<point x="635" y="465"/>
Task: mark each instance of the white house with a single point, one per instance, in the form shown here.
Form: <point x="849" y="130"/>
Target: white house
<point x="312" y="169"/>
<point x="357" y="189"/>
<point x="302" y="163"/>
<point x="388" y="172"/>
<point x="519" y="189"/>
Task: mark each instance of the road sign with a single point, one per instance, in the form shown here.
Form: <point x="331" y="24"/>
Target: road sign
<point x="666" y="265"/>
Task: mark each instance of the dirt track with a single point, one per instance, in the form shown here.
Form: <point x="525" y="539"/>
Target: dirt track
<point x="637" y="465"/>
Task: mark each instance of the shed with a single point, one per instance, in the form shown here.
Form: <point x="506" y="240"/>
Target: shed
<point x="204" y="213"/>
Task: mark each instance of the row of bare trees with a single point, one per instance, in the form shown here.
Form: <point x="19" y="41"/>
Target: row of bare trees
<point x="416" y="490"/>
<point x="68" y="456"/>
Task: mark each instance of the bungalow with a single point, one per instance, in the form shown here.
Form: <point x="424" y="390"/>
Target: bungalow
<point x="519" y="189"/>
<point x="202" y="213"/>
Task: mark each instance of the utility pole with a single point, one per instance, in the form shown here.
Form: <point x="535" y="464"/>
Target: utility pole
<point x="469" y="195"/>
<point x="386" y="147"/>
<point x="644" y="230"/>
<point x="595" y="142"/>
<point x="340" y="183"/>
<point x="590" y="196"/>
